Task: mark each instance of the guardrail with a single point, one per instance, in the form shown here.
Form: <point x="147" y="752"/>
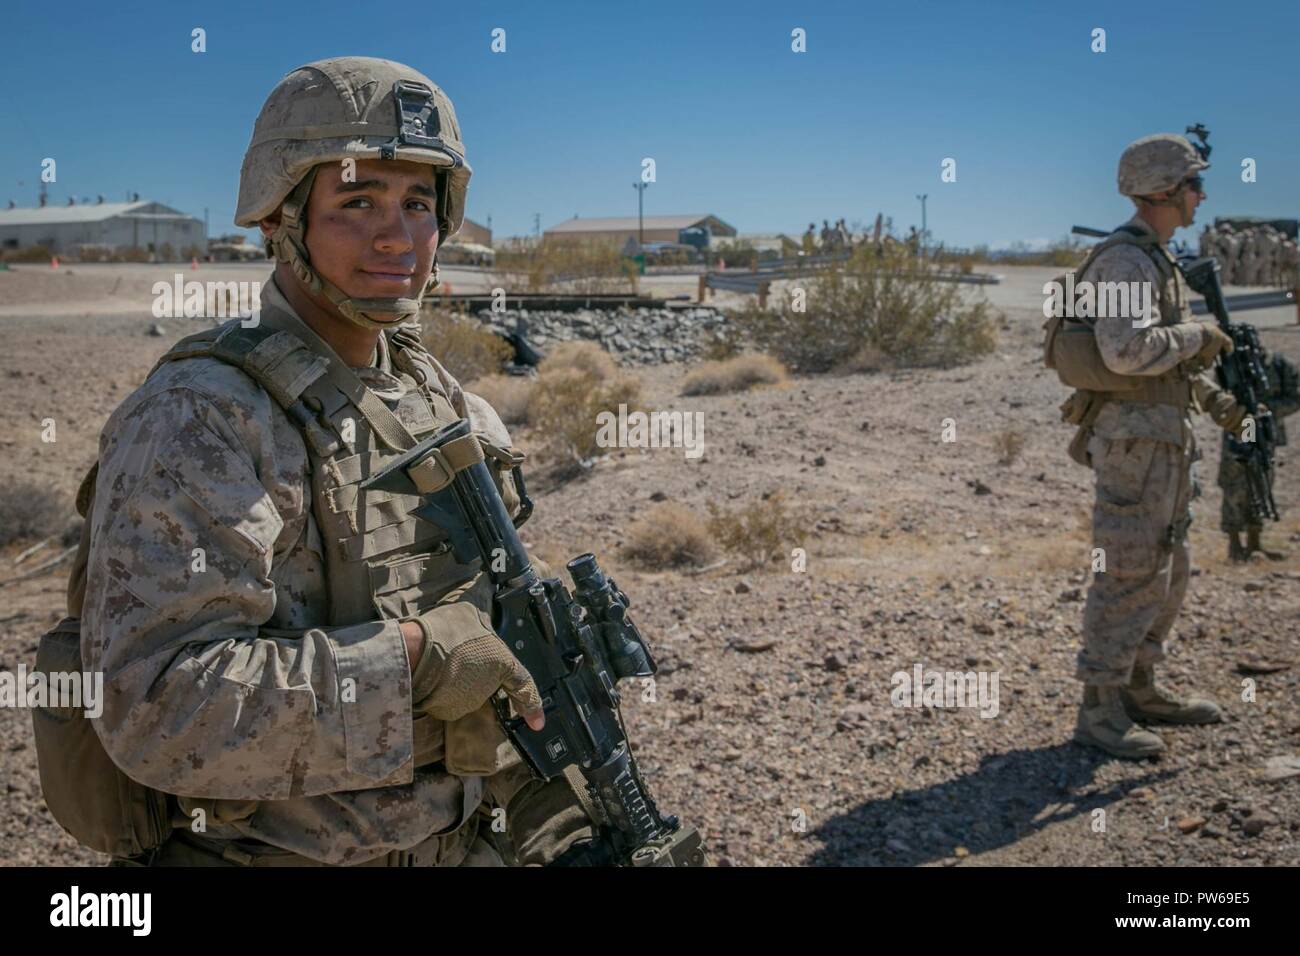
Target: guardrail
<point x="1251" y="300"/>
<point x="759" y="282"/>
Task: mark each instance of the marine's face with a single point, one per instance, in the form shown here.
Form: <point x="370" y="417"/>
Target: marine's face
<point x="1192" y="196"/>
<point x="374" y="238"/>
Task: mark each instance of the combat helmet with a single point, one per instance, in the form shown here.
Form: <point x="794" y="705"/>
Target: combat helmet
<point x="1156" y="163"/>
<point x="350" y="107"/>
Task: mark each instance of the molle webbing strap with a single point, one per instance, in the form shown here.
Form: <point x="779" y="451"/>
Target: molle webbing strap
<point x="1135" y="237"/>
<point x="278" y="361"/>
<point x="387" y="427"/>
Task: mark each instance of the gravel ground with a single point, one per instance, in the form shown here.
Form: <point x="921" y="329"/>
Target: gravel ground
<point x="771" y="725"/>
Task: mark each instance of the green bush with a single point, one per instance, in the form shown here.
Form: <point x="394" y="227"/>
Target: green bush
<point x="888" y="304"/>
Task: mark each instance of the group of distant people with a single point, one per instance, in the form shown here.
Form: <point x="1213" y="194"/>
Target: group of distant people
<point x="836" y="238"/>
<point x="839" y="238"/>
<point x="1253" y="255"/>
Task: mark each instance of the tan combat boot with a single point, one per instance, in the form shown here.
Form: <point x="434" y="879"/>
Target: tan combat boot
<point x="1145" y="700"/>
<point x="1253" y="545"/>
<point x="1103" y="723"/>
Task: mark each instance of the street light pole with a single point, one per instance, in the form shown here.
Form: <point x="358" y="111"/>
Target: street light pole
<point x="923" y="197"/>
<point x="640" y="188"/>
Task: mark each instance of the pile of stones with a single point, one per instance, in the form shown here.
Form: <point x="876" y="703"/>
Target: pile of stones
<point x="635" y="336"/>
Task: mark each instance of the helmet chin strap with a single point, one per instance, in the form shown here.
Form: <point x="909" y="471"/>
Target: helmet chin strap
<point x="1174" y="199"/>
<point x="290" y="247"/>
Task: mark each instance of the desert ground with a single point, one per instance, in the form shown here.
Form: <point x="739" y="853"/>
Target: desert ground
<point x="771" y="726"/>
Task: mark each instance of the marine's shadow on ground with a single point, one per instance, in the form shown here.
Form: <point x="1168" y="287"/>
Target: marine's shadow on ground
<point x="1009" y="797"/>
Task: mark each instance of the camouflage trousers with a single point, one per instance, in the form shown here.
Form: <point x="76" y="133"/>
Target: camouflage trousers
<point x="1139" y="520"/>
<point x="468" y="845"/>
<point x="1234" y="513"/>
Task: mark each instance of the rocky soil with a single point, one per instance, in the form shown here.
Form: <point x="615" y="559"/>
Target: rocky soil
<point x="634" y="336"/>
<point x="770" y="724"/>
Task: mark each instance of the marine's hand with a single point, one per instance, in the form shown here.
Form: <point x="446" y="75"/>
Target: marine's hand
<point x="1215" y="341"/>
<point x="463" y="663"/>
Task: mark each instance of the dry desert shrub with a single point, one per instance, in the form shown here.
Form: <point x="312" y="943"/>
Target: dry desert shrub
<point x="867" y="359"/>
<point x="467" y="349"/>
<point x="30" y="512"/>
<point x="575" y="383"/>
<point x="585" y="357"/>
<point x="28" y="254"/>
<point x="757" y="532"/>
<point x="670" y="535"/>
<point x="886" y="301"/>
<point x="1008" y="443"/>
<point x="733" y="375"/>
<point x="510" y="395"/>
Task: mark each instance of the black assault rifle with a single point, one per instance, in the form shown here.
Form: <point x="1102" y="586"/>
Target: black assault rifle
<point x="1244" y="374"/>
<point x="575" y="645"/>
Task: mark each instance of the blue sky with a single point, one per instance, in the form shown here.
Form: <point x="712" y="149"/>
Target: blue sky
<point x="738" y="124"/>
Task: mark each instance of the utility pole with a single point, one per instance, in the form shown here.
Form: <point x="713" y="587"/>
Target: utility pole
<point x="640" y="187"/>
<point x="537" y="224"/>
<point x="923" y="197"/>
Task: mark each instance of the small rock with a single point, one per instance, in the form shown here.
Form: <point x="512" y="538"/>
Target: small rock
<point x="742" y="586"/>
<point x="1191" y="824"/>
<point x="1258" y="665"/>
<point x="819" y="461"/>
<point x="658" y="496"/>
<point x="1256" y="821"/>
<point x="156" y="329"/>
<point x="1281" y="768"/>
<point x="833" y="663"/>
<point x="1210" y="831"/>
<point x="961" y="853"/>
<point x="752" y="647"/>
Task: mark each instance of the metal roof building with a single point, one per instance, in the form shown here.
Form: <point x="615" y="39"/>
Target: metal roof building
<point x="61" y="229"/>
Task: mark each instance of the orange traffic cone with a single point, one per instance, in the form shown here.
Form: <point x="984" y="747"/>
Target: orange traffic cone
<point x="54" y="262"/>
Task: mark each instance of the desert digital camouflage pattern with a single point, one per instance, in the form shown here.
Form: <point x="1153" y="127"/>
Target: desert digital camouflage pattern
<point x="1156" y="163"/>
<point x="1141" y="455"/>
<point x="271" y="687"/>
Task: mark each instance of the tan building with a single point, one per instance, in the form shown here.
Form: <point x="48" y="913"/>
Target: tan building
<point x="696" y="229"/>
<point x="471" y="233"/>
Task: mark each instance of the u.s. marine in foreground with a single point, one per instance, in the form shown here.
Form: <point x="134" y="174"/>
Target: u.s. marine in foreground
<point x="300" y="663"/>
